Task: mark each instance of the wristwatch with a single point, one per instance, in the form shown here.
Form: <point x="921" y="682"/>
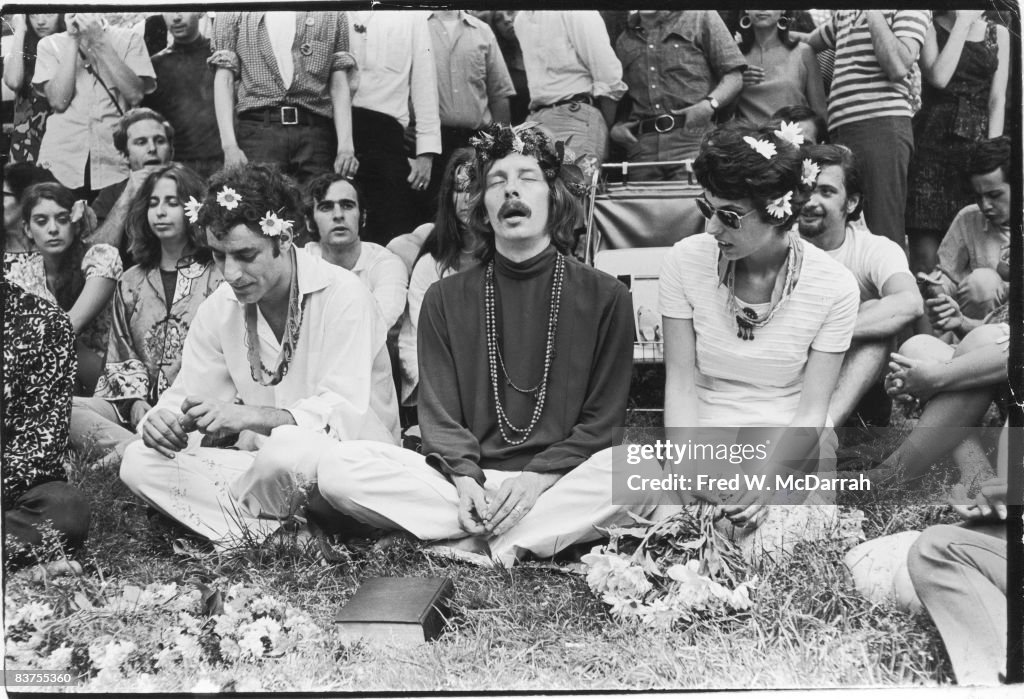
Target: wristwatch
<point x="714" y="105"/>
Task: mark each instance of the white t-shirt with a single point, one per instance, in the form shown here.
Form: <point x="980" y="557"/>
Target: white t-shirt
<point x="383" y="273"/>
<point x="756" y="382"/>
<point x="873" y="259"/>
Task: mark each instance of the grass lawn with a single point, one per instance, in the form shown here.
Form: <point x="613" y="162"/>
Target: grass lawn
<point x="529" y="628"/>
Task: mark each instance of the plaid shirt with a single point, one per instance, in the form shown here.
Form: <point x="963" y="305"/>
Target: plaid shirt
<point x="241" y="44"/>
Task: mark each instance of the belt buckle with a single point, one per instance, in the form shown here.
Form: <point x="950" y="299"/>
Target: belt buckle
<point x="289" y="116"/>
<point x="574" y="106"/>
<point x="671" y="123"/>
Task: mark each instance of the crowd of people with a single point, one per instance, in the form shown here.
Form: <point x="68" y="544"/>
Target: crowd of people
<point x="242" y="252"/>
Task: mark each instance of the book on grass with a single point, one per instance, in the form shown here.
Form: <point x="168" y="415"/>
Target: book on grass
<point x="403" y="611"/>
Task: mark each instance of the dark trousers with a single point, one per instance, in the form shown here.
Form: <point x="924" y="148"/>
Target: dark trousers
<point x="391" y="208"/>
<point x="63" y="507"/>
<point x="883" y="147"/>
<point x="302" y="151"/>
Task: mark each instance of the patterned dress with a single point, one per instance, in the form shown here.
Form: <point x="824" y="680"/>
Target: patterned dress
<point x="30" y="115"/>
<point x="27" y="270"/>
<point x="39" y="375"/>
<point x="951" y="120"/>
<point x="148" y="333"/>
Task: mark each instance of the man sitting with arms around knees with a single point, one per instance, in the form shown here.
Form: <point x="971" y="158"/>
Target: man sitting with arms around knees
<point x="524" y="373"/>
<point x="288" y="340"/>
<point x="889" y="298"/>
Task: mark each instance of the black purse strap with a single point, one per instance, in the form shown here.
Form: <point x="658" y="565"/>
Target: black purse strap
<point x="96" y="74"/>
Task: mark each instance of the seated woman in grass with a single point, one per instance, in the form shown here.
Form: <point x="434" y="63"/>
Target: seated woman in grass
<point x="756" y="321"/>
<point x="61" y="268"/>
<point x="450" y="247"/>
<point x="153" y="307"/>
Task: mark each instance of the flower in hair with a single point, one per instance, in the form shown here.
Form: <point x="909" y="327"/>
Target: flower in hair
<point x="810" y="172"/>
<point x="782" y="207"/>
<point x="762" y="146"/>
<point x="790" y="131"/>
<point x="497" y="141"/>
<point x="273" y="227"/>
<point x="228" y="198"/>
<point x="192" y="208"/>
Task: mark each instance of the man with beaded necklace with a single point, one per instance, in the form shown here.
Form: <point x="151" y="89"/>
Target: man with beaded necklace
<point x="524" y="374"/>
<point x="289" y="343"/>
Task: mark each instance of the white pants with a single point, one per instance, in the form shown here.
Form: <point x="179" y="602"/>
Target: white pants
<point x="393" y="488"/>
<point x="193" y="489"/>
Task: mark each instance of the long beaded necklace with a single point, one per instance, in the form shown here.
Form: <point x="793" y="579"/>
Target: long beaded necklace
<point x="292" y="327"/>
<point x="746" y="318"/>
<point x="496" y="361"/>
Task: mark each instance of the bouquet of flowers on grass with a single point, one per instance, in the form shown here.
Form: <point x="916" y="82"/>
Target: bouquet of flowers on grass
<point x="668" y="571"/>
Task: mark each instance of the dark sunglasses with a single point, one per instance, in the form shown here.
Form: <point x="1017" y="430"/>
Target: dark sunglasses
<point x="729" y="218"/>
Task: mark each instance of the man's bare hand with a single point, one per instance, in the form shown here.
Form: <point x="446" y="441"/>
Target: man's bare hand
<point x="944" y="312"/>
<point x="164" y="433"/>
<point x="990" y="503"/>
<point x="622" y="133"/>
<point x="515" y="498"/>
<point x="472" y="505"/>
<point x="215" y="417"/>
<point x="233" y="156"/>
<point x="419" y="173"/>
<point x="136" y="178"/>
<point x="345" y="163"/>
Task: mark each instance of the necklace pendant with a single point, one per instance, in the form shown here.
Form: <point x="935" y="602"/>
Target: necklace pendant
<point x="745" y="331"/>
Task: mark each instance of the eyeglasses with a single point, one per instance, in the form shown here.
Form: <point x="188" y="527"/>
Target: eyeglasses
<point x="729" y="218"/>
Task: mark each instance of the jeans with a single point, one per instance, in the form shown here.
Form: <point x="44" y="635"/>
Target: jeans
<point x="56" y="503"/>
<point x="301" y="151"/>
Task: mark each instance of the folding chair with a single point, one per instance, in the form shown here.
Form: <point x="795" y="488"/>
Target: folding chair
<point x="630" y="227"/>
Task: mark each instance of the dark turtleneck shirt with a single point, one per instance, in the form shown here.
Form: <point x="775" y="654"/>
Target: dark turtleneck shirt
<point x="588" y="384"/>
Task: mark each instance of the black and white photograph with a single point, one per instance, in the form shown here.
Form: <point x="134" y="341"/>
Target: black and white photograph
<point x="429" y="347"/>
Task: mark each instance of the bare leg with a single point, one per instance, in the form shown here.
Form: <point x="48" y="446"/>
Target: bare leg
<point x="865" y="364"/>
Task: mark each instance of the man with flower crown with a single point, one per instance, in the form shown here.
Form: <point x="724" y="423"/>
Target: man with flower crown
<point x="524" y="375"/>
<point x="289" y="343"/>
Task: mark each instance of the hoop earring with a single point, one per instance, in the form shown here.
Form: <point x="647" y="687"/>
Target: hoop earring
<point x="745" y="22"/>
<point x="783" y="23"/>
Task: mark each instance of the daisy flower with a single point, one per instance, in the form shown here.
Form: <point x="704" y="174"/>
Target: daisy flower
<point x="273" y="226"/>
<point x="790" y="131"/>
<point x="810" y="172"/>
<point x="765" y="148"/>
<point x="782" y="207"/>
<point x="228" y="198"/>
<point x="192" y="208"/>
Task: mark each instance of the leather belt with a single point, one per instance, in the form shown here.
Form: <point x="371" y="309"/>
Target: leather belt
<point x="663" y="123"/>
<point x="582" y="97"/>
<point x="286" y="116"/>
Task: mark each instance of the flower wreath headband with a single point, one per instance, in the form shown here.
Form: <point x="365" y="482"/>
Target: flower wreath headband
<point x="497" y="141"/>
<point x="270" y="224"/>
<point x="790" y="132"/>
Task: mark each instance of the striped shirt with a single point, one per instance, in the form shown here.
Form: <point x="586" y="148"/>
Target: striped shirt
<point x="860" y="88"/>
<point x="756" y="382"/>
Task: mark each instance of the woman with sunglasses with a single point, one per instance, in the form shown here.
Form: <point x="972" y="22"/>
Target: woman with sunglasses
<point x="153" y="306"/>
<point x="756" y="322"/>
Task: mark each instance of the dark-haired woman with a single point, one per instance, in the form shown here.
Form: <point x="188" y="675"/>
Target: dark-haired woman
<point x="965" y="63"/>
<point x="450" y="248"/>
<point x="61" y="268"/>
<point x="780" y="70"/>
<point x="153" y="307"/>
<point x="756" y="321"/>
<point x="30" y="108"/>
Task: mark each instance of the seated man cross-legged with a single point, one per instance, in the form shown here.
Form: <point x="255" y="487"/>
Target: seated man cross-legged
<point x="524" y="373"/>
<point x="288" y="340"/>
<point x="889" y="298"/>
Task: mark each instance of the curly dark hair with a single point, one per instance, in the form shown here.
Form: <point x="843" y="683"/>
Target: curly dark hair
<point x="730" y="168"/>
<point x="21" y="176"/>
<point x="261" y="188"/>
<point x="445" y="240"/>
<point x="989" y="155"/>
<point x="831" y="154"/>
<point x="144" y="245"/>
<point x="316" y="190"/>
<point x="70" y="279"/>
